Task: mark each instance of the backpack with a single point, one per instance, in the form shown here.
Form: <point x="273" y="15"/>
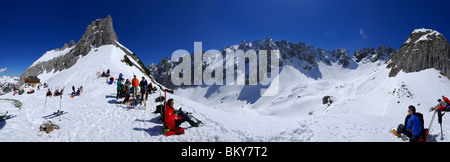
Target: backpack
<point x="420" y="115"/>
<point x="424" y="134"/>
<point x="122" y="87"/>
<point x="160" y="99"/>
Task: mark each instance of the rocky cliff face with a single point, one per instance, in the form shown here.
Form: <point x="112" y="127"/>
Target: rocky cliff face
<point x="424" y="49"/>
<point x="372" y="54"/>
<point x="162" y="72"/>
<point x="98" y="33"/>
<point x="8" y="83"/>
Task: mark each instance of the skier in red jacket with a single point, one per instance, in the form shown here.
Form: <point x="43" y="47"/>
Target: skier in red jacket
<point x="171" y="118"/>
<point x="446" y="99"/>
<point x="443" y="106"/>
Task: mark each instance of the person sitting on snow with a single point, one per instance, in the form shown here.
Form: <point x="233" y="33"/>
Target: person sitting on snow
<point x="57" y="93"/>
<point x="119" y="88"/>
<point x="413" y="125"/>
<point x="21" y="91"/>
<point x="49" y="93"/>
<point x="30" y="92"/>
<point x="103" y="74"/>
<point x="150" y="88"/>
<point x="111" y="80"/>
<point x="173" y="119"/>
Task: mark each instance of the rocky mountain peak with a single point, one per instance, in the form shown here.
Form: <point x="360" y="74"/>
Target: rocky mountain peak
<point x="100" y="32"/>
<point x="245" y="46"/>
<point x="424" y="49"/>
<point x="266" y="44"/>
<point x="372" y="54"/>
<point x="423" y="34"/>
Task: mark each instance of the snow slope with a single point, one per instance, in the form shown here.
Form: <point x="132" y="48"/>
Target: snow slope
<point x="367" y="104"/>
<point x="52" y="54"/>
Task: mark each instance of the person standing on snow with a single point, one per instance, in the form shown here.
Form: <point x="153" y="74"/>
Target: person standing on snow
<point x="143" y="84"/>
<point x="121" y="76"/>
<point x="119" y="88"/>
<point x="127" y="87"/>
<point x="135" y="84"/>
<point x="413" y="125"/>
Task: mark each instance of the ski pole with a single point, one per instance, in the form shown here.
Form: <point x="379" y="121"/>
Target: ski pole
<point x="160" y="101"/>
<point x="165" y="104"/>
<point x="442" y="135"/>
<point x="60" y="99"/>
<point x="45" y="104"/>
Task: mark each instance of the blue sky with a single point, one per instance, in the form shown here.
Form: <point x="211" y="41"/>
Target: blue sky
<point x="154" y="29"/>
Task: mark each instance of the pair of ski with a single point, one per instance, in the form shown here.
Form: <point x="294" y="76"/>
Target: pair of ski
<point x="134" y="102"/>
<point x="5" y="116"/>
<point x="55" y="114"/>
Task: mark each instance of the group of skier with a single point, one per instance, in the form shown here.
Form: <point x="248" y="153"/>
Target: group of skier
<point x="413" y="126"/>
<point x="139" y="91"/>
<point x="125" y="88"/>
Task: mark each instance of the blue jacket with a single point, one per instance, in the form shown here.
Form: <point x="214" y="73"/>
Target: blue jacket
<point x="414" y="124"/>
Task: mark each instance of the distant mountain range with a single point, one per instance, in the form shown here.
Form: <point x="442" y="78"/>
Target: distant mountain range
<point x="304" y="56"/>
<point x="8" y="83"/>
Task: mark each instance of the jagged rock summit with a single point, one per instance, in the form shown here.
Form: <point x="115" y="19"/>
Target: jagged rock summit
<point x="424" y="49"/>
<point x="99" y="33"/>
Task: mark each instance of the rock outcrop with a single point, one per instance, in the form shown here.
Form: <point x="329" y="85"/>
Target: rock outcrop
<point x="424" y="49"/>
<point x="8" y="83"/>
<point x="99" y="32"/>
<point x="372" y="54"/>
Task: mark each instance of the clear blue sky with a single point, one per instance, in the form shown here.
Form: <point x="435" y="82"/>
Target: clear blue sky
<point x="154" y="29"/>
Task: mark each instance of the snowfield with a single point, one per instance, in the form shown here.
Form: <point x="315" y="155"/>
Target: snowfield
<point x="367" y="105"/>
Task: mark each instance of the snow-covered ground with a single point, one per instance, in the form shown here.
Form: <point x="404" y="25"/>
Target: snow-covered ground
<point x="367" y="104"/>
